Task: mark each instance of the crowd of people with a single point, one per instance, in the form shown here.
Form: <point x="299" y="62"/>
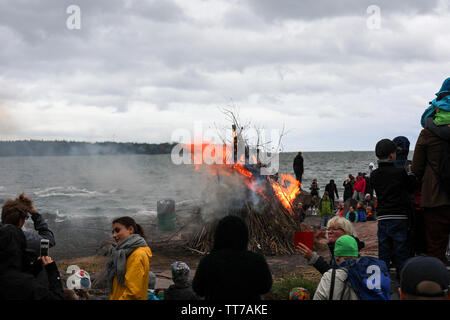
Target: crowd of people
<point x="412" y="210"/>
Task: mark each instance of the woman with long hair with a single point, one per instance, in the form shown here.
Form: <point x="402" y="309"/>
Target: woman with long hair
<point x="127" y="271"/>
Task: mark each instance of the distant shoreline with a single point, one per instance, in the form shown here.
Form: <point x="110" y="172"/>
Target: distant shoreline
<point x="74" y="148"/>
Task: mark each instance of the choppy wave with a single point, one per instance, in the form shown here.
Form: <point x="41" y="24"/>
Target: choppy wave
<point x="70" y="191"/>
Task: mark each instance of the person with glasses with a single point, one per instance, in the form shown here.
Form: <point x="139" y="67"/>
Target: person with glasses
<point x="336" y="227"/>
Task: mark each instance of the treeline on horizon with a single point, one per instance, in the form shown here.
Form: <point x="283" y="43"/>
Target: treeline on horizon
<point x="74" y="148"/>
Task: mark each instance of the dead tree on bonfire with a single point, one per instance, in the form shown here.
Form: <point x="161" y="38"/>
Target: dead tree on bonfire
<point x="271" y="225"/>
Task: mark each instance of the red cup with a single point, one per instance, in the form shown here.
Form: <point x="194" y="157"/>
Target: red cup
<point x="305" y="237"/>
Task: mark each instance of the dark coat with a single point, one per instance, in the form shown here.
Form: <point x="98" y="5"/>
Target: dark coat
<point x="15" y="283"/>
<point x="348" y="190"/>
<point x="298" y="165"/>
<point x="180" y="292"/>
<point x="332" y="190"/>
<point x="392" y="186"/>
<point x="230" y="271"/>
<point x="427" y="152"/>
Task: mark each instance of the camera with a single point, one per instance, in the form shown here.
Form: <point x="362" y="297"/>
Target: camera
<point x="45" y="244"/>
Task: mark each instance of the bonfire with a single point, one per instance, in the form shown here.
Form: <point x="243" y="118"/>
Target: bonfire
<point x="267" y="204"/>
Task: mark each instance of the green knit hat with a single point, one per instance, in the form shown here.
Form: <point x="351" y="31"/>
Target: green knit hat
<point x="346" y="246"/>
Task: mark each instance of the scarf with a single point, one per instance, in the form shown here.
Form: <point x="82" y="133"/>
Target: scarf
<point x="116" y="265"/>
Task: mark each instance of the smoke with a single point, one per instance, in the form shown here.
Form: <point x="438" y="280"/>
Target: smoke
<point x="224" y="193"/>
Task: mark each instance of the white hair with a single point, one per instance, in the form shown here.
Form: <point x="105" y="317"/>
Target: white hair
<point x="343" y="223"/>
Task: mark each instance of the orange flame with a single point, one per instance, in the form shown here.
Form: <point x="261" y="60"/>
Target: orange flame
<point x="286" y="191"/>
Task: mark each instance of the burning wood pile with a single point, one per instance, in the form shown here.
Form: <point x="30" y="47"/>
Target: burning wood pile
<point x="271" y="219"/>
<point x="266" y="204"/>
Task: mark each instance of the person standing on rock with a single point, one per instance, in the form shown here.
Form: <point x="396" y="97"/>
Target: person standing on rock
<point x="127" y="271"/>
<point x="331" y="188"/>
<point x="348" y="189"/>
<point x="325" y="209"/>
<point x="359" y="188"/>
<point x="298" y="167"/>
<point x="230" y="271"/>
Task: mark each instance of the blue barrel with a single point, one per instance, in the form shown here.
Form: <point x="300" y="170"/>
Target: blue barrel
<point x="165" y="210"/>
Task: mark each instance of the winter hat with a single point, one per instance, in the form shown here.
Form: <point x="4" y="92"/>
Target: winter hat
<point x="346" y="246"/>
<point x="384" y="148"/>
<point x="180" y="272"/>
<point x="418" y="269"/>
<point x="445" y="87"/>
<point x="371" y="165"/>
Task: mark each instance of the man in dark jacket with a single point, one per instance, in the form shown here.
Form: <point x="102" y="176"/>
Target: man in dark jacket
<point x="348" y="189"/>
<point x="434" y="199"/>
<point x="332" y="190"/>
<point x="298" y="166"/>
<point x="230" y="271"/>
<point x="392" y="186"/>
<point x="15" y="284"/>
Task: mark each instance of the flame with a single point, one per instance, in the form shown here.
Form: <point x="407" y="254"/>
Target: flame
<point x="286" y="191"/>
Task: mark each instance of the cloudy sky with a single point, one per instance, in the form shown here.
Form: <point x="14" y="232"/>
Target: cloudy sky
<point x="330" y="72"/>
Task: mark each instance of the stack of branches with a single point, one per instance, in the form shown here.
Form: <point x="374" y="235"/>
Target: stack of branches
<point x="271" y="228"/>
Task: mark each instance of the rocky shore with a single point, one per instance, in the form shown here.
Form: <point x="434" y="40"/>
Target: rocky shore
<point x="166" y="252"/>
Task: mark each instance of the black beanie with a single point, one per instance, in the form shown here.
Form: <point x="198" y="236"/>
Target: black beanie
<point x="384" y="148"/>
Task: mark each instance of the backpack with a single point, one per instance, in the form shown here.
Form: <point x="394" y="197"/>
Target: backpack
<point x="369" y="278"/>
<point x="362" y="216"/>
<point x="443" y="172"/>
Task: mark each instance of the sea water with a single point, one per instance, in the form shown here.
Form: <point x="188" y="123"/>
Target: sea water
<point x="70" y="190"/>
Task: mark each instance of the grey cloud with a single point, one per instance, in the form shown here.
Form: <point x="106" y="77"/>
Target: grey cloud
<point x="318" y="9"/>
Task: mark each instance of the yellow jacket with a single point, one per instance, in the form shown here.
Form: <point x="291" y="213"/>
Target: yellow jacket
<point x="136" y="277"/>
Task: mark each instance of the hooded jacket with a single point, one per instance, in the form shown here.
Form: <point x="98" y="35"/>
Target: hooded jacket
<point x="325" y="207"/>
<point x="440" y="102"/>
<point x="230" y="271"/>
<point x="136" y="277"/>
<point x="15" y="283"/>
<point x="360" y="184"/>
<point x="401" y="160"/>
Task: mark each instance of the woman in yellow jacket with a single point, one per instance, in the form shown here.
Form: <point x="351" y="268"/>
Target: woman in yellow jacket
<point x="128" y="268"/>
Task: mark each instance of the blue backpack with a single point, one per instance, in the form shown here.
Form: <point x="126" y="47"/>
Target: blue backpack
<point x="369" y="278"/>
<point x="362" y="216"/>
